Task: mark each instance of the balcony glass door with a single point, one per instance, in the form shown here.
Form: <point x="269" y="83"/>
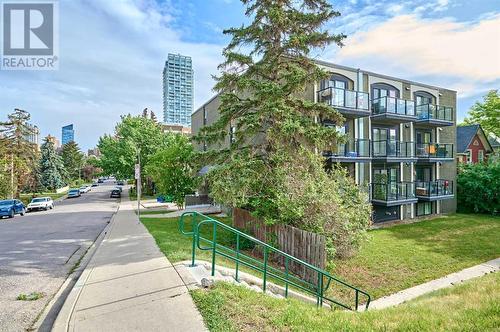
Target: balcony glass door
<point x="423" y="143"/>
<point x="386" y="183"/>
<point x="338" y="97"/>
<point x="384" y="141"/>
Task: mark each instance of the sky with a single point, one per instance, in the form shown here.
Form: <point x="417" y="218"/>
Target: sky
<point x="112" y="53"/>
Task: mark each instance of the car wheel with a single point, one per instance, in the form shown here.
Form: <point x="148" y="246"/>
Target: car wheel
<point x="51" y="207"/>
<point x="45" y="208"/>
<point x="11" y="214"/>
<point x="23" y="212"/>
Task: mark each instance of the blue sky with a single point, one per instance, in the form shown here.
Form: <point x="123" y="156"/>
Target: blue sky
<point x="112" y="54"/>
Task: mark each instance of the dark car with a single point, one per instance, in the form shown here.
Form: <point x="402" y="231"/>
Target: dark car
<point x="11" y="207"/>
<point x="95" y="184"/>
<point x="120" y="182"/>
<point x="115" y="193"/>
<point x="100" y="181"/>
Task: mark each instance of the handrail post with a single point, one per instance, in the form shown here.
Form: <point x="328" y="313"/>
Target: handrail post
<point x="237" y="255"/>
<point x="265" y="270"/>
<point x="357" y="299"/>
<point x="214" y="237"/>
<point x="194" y="229"/>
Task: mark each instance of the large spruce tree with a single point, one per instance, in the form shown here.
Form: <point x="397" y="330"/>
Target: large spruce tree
<point x="274" y="165"/>
<point x="51" y="167"/>
<point x="73" y="160"/>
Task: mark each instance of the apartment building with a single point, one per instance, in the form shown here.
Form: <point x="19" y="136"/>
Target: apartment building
<point x="400" y="139"/>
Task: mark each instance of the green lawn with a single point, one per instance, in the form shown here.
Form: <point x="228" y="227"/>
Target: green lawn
<point x="393" y="259"/>
<point x="472" y="306"/>
<point x="403" y="256"/>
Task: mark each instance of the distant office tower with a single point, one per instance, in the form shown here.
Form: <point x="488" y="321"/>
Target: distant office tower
<point x="34" y="135"/>
<point x="178" y="90"/>
<point x="54" y="140"/>
<point x="68" y="134"/>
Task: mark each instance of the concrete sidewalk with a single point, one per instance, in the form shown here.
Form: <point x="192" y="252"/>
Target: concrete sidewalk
<point x="446" y="281"/>
<point x="129" y="285"/>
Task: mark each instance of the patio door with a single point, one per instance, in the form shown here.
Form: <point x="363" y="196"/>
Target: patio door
<point x="338" y="92"/>
<point x="384" y="141"/>
<point x="386" y="183"/>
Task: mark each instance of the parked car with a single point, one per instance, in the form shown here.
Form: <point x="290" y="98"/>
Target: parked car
<point x="74" y="193"/>
<point x="100" y="180"/>
<point x="40" y="203"/>
<point x="84" y="189"/>
<point x="11" y="207"/>
<point x="95" y="184"/>
<point x="120" y="182"/>
<point x="115" y="193"/>
<point x="119" y="188"/>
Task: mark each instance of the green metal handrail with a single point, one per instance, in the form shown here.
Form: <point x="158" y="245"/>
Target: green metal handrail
<point x="317" y="289"/>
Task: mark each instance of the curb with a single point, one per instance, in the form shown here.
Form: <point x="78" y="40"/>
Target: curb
<point x="69" y="291"/>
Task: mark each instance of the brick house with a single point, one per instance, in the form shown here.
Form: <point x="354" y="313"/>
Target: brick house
<point x="472" y="144"/>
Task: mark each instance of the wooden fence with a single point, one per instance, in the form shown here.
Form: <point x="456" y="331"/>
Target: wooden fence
<point x="306" y="246"/>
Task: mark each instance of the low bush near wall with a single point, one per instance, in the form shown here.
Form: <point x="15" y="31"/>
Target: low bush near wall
<point x="478" y="188"/>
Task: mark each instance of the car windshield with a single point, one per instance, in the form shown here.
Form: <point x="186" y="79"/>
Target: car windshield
<point x="9" y="202"/>
<point x="74" y="190"/>
<point x="38" y="200"/>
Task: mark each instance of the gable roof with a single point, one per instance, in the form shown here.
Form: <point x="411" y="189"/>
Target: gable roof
<point x="465" y="134"/>
<point x="494" y="142"/>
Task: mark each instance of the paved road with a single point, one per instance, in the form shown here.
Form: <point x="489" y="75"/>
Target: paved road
<point x="38" y="250"/>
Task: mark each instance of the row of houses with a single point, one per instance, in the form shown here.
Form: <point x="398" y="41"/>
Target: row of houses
<point x="402" y="139"/>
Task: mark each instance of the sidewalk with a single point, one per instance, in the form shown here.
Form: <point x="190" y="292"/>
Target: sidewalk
<point x="446" y="281"/>
<point x="129" y="285"/>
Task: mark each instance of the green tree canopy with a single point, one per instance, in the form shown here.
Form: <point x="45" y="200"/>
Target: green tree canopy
<point x="73" y="160"/>
<point x="132" y="134"/>
<point x="51" y="166"/>
<point x="487" y="114"/>
<point x="273" y="166"/>
<point x="19" y="153"/>
<point x="172" y="168"/>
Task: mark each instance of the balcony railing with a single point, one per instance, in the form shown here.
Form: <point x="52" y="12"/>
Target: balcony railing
<point x="392" y="148"/>
<point x="394" y="106"/>
<point x="434" y="150"/>
<point x="344" y="98"/>
<point x="434" y="188"/>
<point x="393" y="191"/>
<point x="434" y="112"/>
<point x="352" y="149"/>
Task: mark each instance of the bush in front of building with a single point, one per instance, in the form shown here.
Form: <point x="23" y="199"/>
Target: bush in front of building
<point x="478" y="188"/>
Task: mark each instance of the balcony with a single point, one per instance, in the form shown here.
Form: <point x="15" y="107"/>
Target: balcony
<point x="434" y="115"/>
<point x="352" y="104"/>
<point x="434" y="152"/>
<point x="393" y="193"/>
<point x="393" y="151"/>
<point x="434" y="190"/>
<point x="357" y="150"/>
<point x="392" y="110"/>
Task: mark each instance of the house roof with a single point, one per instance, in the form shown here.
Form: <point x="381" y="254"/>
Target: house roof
<point x="465" y="134"/>
<point x="494" y="142"/>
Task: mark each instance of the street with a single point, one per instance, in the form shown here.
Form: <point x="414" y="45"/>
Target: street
<point x="38" y="250"/>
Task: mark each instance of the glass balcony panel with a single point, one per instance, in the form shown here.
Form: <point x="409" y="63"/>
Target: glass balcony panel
<point x="350" y="98"/>
<point x="434" y="188"/>
<point x="410" y="107"/>
<point x="391" y="105"/>
<point x="401" y="106"/>
<point x="363" y="100"/>
<point x="393" y="191"/>
<point x="434" y="150"/>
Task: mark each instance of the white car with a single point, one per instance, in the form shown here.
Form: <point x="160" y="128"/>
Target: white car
<point x="40" y="203"/>
<point x="84" y="189"/>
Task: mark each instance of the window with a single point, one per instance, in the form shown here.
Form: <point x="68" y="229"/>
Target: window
<point x="476" y="142"/>
<point x="424" y="208"/>
<point x="380" y="90"/>
<point x="469" y="156"/>
<point x="480" y="156"/>
<point x="423" y="98"/>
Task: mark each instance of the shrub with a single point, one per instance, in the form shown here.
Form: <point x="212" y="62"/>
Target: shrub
<point x="478" y="188"/>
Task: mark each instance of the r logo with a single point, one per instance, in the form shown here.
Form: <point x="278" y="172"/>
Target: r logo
<point x="28" y="29"/>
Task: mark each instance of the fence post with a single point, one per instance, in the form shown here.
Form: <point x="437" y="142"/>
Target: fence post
<point x="237" y="254"/>
<point x="195" y="234"/>
<point x="265" y="270"/>
<point x="286" y="276"/>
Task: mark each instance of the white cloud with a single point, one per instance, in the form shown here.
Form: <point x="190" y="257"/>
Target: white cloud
<point x="410" y="46"/>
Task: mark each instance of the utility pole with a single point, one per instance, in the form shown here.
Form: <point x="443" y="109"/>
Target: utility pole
<point x="12" y="176"/>
<point x="138" y="181"/>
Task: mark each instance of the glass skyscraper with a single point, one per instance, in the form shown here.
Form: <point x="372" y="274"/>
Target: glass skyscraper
<point x="68" y="134"/>
<point x="178" y="90"/>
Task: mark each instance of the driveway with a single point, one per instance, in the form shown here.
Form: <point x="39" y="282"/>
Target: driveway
<point x="38" y="251"/>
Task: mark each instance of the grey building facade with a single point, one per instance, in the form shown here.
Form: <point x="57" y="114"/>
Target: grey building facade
<point x="401" y="139"/>
<point x="178" y="90"/>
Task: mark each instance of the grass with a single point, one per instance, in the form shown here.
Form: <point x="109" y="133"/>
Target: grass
<point x="472" y="306"/>
<point x="30" y="297"/>
<point x="403" y="256"/>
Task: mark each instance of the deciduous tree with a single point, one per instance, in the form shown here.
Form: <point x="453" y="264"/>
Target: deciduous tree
<point x="487" y="114"/>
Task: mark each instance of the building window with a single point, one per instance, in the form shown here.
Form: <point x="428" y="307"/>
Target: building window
<point x="424" y="208"/>
<point x="480" y="156"/>
<point x="469" y="156"/>
<point x="380" y="90"/>
<point x="423" y="98"/>
<point x="476" y="142"/>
